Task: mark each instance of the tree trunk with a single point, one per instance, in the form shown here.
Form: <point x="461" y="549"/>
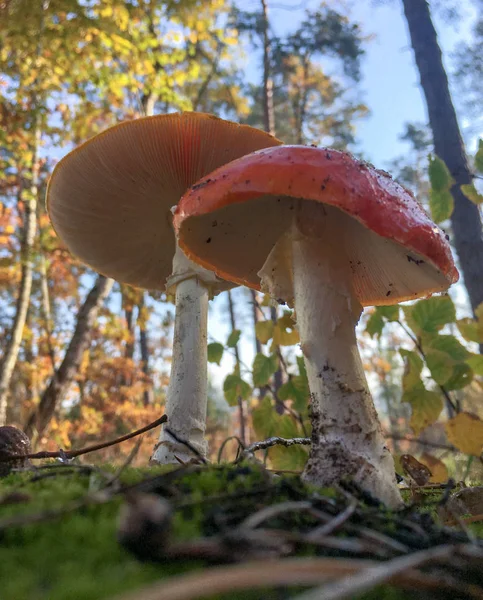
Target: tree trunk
<point x="65" y="374"/>
<point x="241" y="407"/>
<point x="268" y="112"/>
<point x="448" y="145"/>
<point x="23" y="299"/>
<point x="269" y="124"/>
<point x="144" y="347"/>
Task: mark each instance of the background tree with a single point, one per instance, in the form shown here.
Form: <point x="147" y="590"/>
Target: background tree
<point x="448" y="145"/>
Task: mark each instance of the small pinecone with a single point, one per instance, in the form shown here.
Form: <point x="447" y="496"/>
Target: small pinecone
<point x="13" y="441"/>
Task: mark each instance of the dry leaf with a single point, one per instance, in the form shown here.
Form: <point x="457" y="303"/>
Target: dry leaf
<point x="439" y="472"/>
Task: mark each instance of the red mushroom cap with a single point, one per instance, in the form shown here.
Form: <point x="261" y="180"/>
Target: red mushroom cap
<point x="230" y="221"/>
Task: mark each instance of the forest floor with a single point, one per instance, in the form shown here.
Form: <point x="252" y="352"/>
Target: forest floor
<point x="80" y="532"/>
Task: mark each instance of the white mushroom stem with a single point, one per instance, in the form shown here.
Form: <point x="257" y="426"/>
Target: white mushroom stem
<point x="187" y="392"/>
<point x="347" y="440"/>
<point x="186" y="401"/>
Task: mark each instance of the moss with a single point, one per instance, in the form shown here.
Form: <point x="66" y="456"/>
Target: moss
<point x="77" y="556"/>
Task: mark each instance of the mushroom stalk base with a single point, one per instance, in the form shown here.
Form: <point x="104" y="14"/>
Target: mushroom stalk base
<point x="347" y="440"/>
<point x="187" y="392"/>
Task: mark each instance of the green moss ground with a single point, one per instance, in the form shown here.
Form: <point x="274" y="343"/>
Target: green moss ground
<point x="77" y="556"/>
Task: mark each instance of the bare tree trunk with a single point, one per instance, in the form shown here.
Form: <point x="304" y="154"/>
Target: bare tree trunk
<point x="268" y="112"/>
<point x="23" y="299"/>
<point x="269" y="124"/>
<point x="144" y="347"/>
<point x="65" y="374"/>
<point x="241" y="407"/>
<point x="130" y="343"/>
<point x="448" y="144"/>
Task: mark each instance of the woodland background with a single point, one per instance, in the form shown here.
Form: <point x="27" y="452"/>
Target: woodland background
<point x="84" y="358"/>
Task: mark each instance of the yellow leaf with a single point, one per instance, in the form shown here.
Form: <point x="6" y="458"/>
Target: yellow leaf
<point x="465" y="431"/>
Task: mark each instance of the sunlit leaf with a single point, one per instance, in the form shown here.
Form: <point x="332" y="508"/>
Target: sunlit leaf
<point x="439" y="175"/>
<point x="378" y="318"/>
<point x="472" y="193"/>
<point x="264" y="331"/>
<point x="413" y="365"/>
<point x="465" y="432"/>
<point x="479" y="156"/>
<point x="441" y="204"/>
<point x="426" y="406"/>
<point x="285" y="332"/>
<point x="430" y="315"/>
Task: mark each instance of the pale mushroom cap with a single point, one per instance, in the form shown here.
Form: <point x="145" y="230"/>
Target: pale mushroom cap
<point x="230" y="222"/>
<point x="110" y="199"/>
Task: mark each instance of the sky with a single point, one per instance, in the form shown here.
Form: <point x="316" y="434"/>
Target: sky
<point x="390" y="88"/>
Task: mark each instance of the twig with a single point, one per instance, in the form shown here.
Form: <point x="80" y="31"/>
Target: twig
<point x="274" y="510"/>
<point x="366" y="579"/>
<point x="277" y="441"/>
<point x="225" y="442"/>
<point x="414" y="440"/>
<point x="334" y="523"/>
<point x="282" y="572"/>
<point x="190" y="446"/>
<point x="74" y="453"/>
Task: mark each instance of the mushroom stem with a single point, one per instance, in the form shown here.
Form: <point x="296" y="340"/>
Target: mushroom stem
<point x="187" y="392"/>
<point x="347" y="439"/>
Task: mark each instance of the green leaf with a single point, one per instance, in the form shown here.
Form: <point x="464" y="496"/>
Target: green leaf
<point x="450" y="345"/>
<point x="264" y="331"/>
<point x="288" y="459"/>
<point x="439" y="176"/>
<point x="461" y="377"/>
<point x="263" y="368"/>
<point x="470" y="330"/>
<point x="426" y="406"/>
<point x="297" y="390"/>
<point x="476" y="363"/>
<point x="234" y="387"/>
<point x="440" y="364"/>
<point x="378" y="318"/>
<point x="472" y="193"/>
<point x="233" y="338"/>
<point x="264" y="419"/>
<point x="430" y="315"/>
<point x="479" y="156"/>
<point x="413" y="365"/>
<point x="215" y="352"/>
<point x="441" y="205"/>
<point x="375" y="324"/>
<point x="301" y="366"/>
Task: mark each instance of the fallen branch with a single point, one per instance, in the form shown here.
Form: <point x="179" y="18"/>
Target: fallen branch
<point x="276" y="441"/>
<point x="369" y="578"/>
<point x="69" y="454"/>
<point x="283" y="572"/>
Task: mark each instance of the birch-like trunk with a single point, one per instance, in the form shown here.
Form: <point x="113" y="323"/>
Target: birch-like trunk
<point x="23" y="299"/>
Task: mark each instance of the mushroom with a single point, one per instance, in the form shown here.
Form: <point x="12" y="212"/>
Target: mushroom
<point x="331" y="234"/>
<point x="110" y="201"/>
